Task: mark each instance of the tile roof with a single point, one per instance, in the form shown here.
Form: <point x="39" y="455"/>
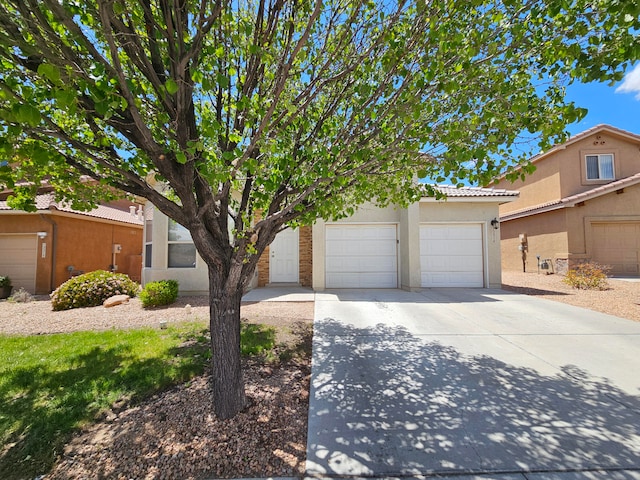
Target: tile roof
<point x="452" y="191"/>
<point x="572" y="200"/>
<point x="47" y="202"/>
<point x="580" y="136"/>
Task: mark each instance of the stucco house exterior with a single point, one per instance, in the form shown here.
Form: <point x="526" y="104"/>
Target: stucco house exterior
<point x="581" y="204"/>
<point x="432" y="243"/>
<point x="41" y="250"/>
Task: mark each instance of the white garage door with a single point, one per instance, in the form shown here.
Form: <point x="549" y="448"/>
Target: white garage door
<point x="18" y="260"/>
<point x="361" y="256"/>
<point x="618" y="246"/>
<point x="451" y="255"/>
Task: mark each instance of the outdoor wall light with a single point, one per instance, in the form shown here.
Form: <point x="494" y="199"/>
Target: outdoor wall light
<point x="495" y="224"/>
<point x="42" y="234"/>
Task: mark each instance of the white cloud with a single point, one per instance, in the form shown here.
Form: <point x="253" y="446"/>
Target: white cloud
<point x="631" y="82"/>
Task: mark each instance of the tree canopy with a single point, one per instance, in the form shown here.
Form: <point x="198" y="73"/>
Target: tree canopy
<point x="296" y="109"/>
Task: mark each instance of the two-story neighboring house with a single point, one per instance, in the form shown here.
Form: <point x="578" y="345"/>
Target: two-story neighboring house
<point x="581" y="204"/>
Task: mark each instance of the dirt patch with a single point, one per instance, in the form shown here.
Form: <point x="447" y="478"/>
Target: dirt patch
<point x="621" y="299"/>
<point x="175" y="434"/>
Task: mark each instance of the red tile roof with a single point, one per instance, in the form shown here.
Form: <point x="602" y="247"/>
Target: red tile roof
<point x="47" y="202"/>
<point x="572" y="200"/>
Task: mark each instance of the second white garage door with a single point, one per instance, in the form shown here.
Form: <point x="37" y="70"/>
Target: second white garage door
<point x="451" y="255"/>
<point x="361" y="256"/>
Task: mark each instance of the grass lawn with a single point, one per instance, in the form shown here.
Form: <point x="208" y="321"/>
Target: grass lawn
<point x="50" y="385"/>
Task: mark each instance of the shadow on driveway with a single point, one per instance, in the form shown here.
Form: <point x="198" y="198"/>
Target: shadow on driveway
<point x="387" y="402"/>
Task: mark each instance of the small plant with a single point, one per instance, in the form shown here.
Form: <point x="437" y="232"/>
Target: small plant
<point x="156" y="294"/>
<point x="5" y="281"/>
<point x="21" y="296"/>
<point x="588" y="276"/>
<point x="92" y="289"/>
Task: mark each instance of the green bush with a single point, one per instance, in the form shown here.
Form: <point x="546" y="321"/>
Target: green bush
<point x="155" y="294"/>
<point x="588" y="276"/>
<point x="92" y="289"/>
<point x="5" y="281"/>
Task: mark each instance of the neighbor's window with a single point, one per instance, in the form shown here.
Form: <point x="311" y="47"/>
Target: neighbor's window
<point x="600" y="167"/>
<point x="147" y="243"/>
<point x="181" y="250"/>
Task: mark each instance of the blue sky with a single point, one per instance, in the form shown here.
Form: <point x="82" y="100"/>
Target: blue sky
<point x="617" y="105"/>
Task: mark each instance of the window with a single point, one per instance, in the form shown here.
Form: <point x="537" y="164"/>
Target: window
<point x="181" y="250"/>
<point x="600" y="167"/>
<point x="148" y="237"/>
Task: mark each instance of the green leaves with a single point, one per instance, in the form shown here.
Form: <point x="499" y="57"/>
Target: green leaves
<point x="171" y="86"/>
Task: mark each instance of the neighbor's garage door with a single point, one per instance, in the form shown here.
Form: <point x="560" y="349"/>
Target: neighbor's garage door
<point x="361" y="256"/>
<point x="451" y="255"/>
<point x="18" y="260"/>
<point x="617" y="245"/>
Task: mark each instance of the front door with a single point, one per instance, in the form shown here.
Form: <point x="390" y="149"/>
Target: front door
<point x="283" y="258"/>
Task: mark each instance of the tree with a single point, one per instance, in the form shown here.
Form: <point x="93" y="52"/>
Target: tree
<point x="260" y="115"/>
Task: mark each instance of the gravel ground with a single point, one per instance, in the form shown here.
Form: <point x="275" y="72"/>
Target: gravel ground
<point x="174" y="434"/>
<point x="622" y="299"/>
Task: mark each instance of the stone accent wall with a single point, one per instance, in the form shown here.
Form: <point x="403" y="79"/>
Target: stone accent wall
<point x="305" y="261"/>
<point x="306" y="254"/>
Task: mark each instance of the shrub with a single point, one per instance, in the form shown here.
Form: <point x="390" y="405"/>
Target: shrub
<point x="92" y="289"/>
<point x="21" y="296"/>
<point x="155" y="294"/>
<point x="588" y="276"/>
<point x="5" y="281"/>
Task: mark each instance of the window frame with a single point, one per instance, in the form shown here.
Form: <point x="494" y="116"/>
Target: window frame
<point x="188" y="241"/>
<point x="599" y="156"/>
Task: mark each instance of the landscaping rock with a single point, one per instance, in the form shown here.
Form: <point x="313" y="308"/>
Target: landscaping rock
<point x="116" y="300"/>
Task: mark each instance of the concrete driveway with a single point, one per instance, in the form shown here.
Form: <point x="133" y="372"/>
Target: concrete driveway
<point x="457" y="382"/>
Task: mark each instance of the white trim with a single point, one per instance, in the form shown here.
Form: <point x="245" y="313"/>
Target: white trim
<point x="496" y="199"/>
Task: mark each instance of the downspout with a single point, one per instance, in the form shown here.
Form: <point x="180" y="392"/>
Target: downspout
<point x="54" y="242"/>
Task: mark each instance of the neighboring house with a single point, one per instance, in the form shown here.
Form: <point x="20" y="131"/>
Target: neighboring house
<point x="581" y="204"/>
<point x="41" y="250"/>
<point x="432" y="243"/>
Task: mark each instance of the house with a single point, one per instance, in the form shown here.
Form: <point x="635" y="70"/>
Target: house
<point x="41" y="250"/>
<point x="432" y="243"/>
<point x="582" y="203"/>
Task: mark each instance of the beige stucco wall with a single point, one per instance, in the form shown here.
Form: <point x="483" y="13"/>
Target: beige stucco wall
<point x="541" y="186"/>
<point x="565" y="234"/>
<point x="546" y="236"/>
<point x="192" y="281"/>
<point x="562" y="172"/>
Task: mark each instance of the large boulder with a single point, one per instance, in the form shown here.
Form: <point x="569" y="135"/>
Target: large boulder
<point x="116" y="300"/>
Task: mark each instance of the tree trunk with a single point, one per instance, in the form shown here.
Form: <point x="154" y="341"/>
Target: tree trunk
<point x="224" y="321"/>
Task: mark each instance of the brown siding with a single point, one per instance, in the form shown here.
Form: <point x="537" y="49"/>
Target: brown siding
<point x="546" y="236"/>
<point x="87" y="246"/>
<point x="81" y="242"/>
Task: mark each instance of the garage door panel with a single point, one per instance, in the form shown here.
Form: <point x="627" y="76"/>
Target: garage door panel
<point x="351" y="247"/>
<point x="361" y="256"/>
<point x="361" y="264"/>
<point x="18" y="257"/>
<point x="361" y="280"/>
<point x="451" y="255"/>
<point x="450" y="246"/>
<point x="452" y="264"/>
<point x="618" y="246"/>
<point x="452" y="279"/>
